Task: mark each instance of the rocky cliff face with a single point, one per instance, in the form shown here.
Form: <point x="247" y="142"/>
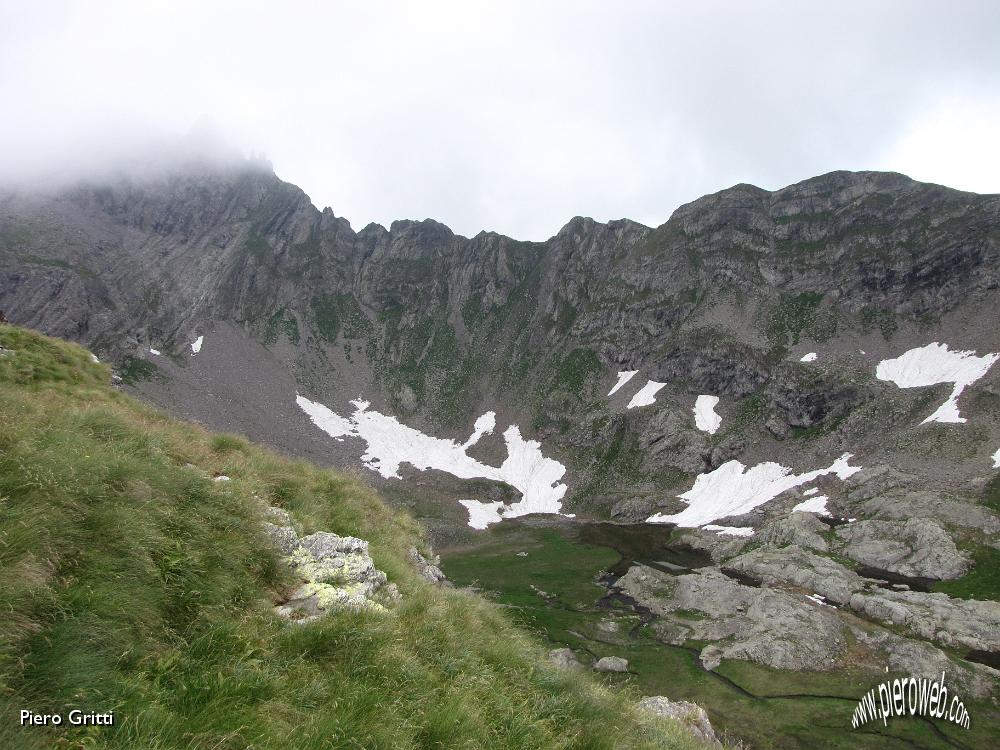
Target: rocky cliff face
<point x="723" y="299"/>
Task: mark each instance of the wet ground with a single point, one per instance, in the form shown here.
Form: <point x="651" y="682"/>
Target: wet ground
<point x="556" y="576"/>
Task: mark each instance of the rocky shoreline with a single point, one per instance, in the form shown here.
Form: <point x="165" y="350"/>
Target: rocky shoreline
<point x="789" y="608"/>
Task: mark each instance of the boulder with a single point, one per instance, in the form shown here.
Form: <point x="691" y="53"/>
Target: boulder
<point x="611" y="664"/>
<point x="691" y="715"/>
<point x="710" y="657"/>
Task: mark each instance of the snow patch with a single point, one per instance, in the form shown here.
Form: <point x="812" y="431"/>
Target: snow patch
<point x="705" y="418"/>
<point x="810" y="357"/>
<point x="996" y="460"/>
<point x="819" y="599"/>
<point x="933" y="364"/>
<point x="390" y="444"/>
<point x="155" y="352"/>
<point x="623" y="377"/>
<point x="483" y="426"/>
<point x="813" y="505"/>
<point x="482" y="514"/>
<point x="94" y="359"/>
<point x="332" y="424"/>
<point x="196" y="345"/>
<point x="730" y="530"/>
<point x="733" y="489"/>
<point x="646" y="396"/>
<point x="222" y="478"/>
<point x="811" y="491"/>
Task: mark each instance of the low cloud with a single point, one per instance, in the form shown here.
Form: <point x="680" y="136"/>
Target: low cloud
<point x="510" y="117"/>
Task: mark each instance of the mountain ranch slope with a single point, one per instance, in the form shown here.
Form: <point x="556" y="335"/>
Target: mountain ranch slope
<point x="131" y="582"/>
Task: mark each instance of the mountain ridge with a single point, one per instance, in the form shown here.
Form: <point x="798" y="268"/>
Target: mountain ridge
<point x="129" y="269"/>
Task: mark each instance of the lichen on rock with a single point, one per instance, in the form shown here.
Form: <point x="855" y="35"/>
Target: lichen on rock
<point x="336" y="572"/>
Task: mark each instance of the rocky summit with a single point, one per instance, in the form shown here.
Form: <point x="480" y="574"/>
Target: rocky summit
<point x="799" y="387"/>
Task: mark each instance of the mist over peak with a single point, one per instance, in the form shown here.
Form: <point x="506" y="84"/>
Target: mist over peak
<point x="122" y="152"/>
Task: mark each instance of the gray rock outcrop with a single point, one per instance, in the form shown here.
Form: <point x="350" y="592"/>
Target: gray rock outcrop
<point x="283" y="538"/>
<point x="278" y="516"/>
<point x="883" y="492"/>
<point x="718" y="546"/>
<point x="903" y="506"/>
<point x="912" y="657"/>
<point x="936" y="617"/>
<point x="917" y="548"/>
<point x="767" y="626"/>
<point x="952" y="622"/>
<point x="335" y="572"/>
<point x="800" y="529"/>
<point x="797" y="567"/>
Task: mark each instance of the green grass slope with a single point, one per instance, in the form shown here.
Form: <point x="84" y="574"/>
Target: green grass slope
<point x="131" y="582"/>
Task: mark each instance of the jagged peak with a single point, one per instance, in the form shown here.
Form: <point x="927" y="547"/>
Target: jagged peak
<point x="587" y="224"/>
<point x="401" y="225"/>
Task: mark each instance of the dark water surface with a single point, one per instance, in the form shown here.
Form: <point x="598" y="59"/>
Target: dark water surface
<point x="645" y="543"/>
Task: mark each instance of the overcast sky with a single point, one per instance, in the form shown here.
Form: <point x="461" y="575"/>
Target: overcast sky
<point x="513" y="116"/>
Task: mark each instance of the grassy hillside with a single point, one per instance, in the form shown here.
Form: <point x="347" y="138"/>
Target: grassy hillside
<point x="131" y="582"/>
